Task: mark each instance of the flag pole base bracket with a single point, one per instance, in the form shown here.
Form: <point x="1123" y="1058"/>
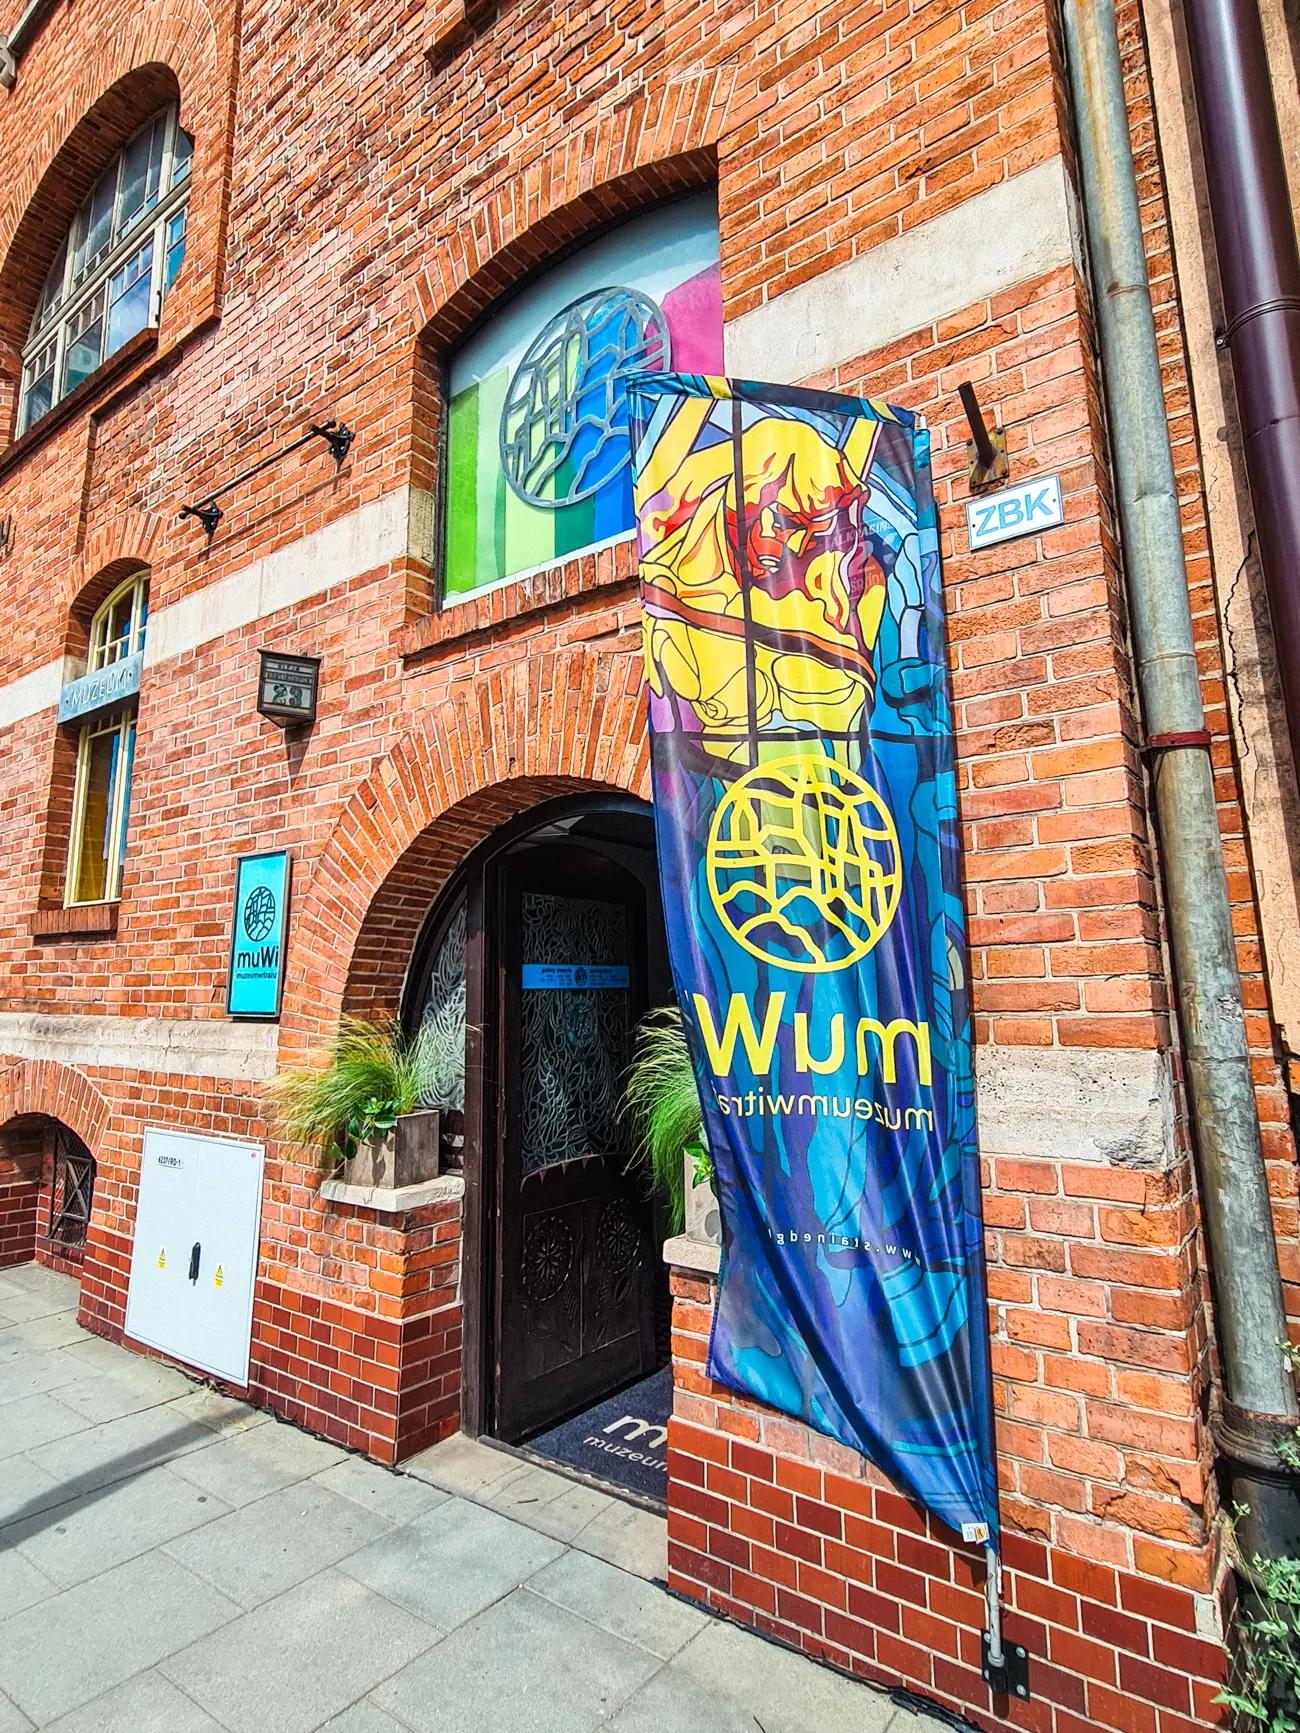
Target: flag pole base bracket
<point x="1011" y="1679"/>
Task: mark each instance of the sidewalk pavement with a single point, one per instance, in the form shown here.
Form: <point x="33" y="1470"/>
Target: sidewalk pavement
<point x="172" y="1561"/>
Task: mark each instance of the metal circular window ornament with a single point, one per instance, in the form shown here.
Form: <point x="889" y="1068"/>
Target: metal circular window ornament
<point x="259" y="913"/>
<point x="563" y="429"/>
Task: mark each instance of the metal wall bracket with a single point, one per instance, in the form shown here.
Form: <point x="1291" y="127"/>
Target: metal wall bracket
<point x="987" y="446"/>
<point x="338" y="437"/>
<point x="1011" y="1679"/>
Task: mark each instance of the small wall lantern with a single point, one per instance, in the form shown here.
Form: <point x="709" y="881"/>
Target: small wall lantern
<point x="287" y="687"/>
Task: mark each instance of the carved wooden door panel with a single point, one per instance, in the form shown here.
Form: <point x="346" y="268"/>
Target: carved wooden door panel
<point x="575" y="1298"/>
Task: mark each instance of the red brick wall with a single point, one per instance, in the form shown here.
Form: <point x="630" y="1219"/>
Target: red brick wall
<point x="19" y="1197"/>
<point x="788" y="1531"/>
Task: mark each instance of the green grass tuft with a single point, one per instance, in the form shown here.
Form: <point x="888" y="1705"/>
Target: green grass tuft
<point x="662" y="1103"/>
<point x="373" y="1073"/>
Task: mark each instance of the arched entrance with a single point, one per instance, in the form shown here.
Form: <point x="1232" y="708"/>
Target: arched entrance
<point x="547" y="946"/>
<point x="47" y="1186"/>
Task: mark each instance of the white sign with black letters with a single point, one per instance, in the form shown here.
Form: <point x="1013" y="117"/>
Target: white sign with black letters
<point x="1015" y="511"/>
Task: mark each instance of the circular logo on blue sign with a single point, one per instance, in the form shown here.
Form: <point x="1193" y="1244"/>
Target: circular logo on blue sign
<point x="259" y="912"/>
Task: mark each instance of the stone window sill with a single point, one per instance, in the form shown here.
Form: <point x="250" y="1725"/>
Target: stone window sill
<point x="81" y="921"/>
<point x="684" y="1253"/>
<point x="610" y="568"/>
<point x="107" y="373"/>
<point x="388" y="1200"/>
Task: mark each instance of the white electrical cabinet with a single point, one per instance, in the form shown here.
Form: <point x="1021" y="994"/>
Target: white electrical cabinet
<point x="194" y="1259"/>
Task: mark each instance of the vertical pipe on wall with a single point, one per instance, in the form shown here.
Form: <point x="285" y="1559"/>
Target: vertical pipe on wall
<point x="1260" y="1396"/>
<point x="1259" y="269"/>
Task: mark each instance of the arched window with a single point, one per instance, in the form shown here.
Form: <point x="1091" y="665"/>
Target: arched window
<point x="116" y="264"/>
<point x="105" y="753"/>
<point x="537" y="459"/>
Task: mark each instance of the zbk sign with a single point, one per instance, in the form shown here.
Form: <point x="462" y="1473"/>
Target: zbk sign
<point x="1016" y="511"/>
<point x="259" y="928"/>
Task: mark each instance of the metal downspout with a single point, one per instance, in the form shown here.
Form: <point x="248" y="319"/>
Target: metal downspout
<point x="1259" y="269"/>
<point x="1260" y="1397"/>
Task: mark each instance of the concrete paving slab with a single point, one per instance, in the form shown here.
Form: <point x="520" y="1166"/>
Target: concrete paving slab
<point x="524" y="1666"/>
<point x="26" y="1373"/>
<point x="12" y="1719"/>
<point x="463" y="1465"/>
<point x="118" y="1449"/>
<point x="363" y="1717"/>
<point x="35" y="1420"/>
<point x="782" y="1690"/>
<point x="149" y="1703"/>
<point x="104" y="1396"/>
<point x="619" y="1603"/>
<point x="62" y="1653"/>
<point x="563" y="1517"/>
<point x="449" y="1565"/>
<point x="24" y="1487"/>
<point x="633" y="1539"/>
<point x="77" y="1541"/>
<point x="342" y="1638"/>
<point x="54" y="1330"/>
<point x="221" y="1414"/>
<point x="21" y="1583"/>
<point x="255" y="1461"/>
<point x="398" y="1497"/>
<point x="265" y="1548"/>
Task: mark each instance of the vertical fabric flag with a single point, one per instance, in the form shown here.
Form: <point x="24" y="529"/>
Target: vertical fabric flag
<point x="806" y="814"/>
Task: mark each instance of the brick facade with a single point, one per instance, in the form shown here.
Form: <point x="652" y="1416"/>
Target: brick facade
<point x="364" y="189"/>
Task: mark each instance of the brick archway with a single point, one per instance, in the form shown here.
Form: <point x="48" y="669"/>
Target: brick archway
<point x="43" y="1086"/>
<point x="662" y="143"/>
<point x="553" y="724"/>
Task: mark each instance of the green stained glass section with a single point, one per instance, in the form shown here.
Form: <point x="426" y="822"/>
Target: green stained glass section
<point x="462" y="491"/>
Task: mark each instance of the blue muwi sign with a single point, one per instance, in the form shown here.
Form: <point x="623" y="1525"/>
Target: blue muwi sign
<point x="259" y="927"/>
<point x="808" y="844"/>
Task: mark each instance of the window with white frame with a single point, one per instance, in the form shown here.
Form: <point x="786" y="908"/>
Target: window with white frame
<point x="105" y="753"/>
<point x="116" y="264"/>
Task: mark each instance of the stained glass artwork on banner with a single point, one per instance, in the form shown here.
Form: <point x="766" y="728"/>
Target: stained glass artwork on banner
<point x="538" y="461"/>
<point x="806" y="816"/>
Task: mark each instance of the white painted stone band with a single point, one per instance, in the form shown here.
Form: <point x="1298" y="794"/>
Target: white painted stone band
<point x="1010" y="233"/>
<point x="398" y="525"/>
<point x="186" y="1047"/>
<point x="1096" y="1105"/>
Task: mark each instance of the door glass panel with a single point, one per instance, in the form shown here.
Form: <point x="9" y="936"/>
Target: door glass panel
<point x="444" y="1010"/>
<point x="573" y="1037"/>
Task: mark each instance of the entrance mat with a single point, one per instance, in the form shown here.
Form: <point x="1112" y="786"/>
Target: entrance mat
<point x="622" y="1440"/>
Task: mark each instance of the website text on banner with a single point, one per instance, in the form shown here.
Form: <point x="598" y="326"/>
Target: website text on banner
<point x="807" y="826"/>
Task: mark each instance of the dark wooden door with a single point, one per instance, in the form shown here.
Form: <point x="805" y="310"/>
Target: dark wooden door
<point x="574" y="1287"/>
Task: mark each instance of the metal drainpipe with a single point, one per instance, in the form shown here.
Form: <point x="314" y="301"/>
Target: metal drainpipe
<point x="1260" y="1401"/>
<point x="1259" y="270"/>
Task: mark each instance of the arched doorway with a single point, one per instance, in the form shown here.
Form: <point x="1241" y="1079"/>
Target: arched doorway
<point x="546" y="947"/>
<point x="47" y="1186"/>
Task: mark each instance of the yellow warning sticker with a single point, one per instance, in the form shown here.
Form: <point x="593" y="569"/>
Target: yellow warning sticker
<point x="162" y="1259"/>
<point x="219" y="1278"/>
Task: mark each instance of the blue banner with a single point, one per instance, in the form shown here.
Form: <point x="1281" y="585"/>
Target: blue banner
<point x="806" y="815"/>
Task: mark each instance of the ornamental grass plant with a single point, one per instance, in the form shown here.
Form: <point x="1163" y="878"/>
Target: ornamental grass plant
<point x="662" y="1106"/>
<point x="372" y="1074"/>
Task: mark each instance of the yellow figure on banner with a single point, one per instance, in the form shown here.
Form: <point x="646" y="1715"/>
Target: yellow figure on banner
<point x="816" y="590"/>
<point x="803" y="863"/>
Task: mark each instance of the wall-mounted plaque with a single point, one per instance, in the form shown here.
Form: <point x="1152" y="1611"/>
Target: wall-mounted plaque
<point x="287" y="686"/>
<point x="101" y="690"/>
<point x="259" y="930"/>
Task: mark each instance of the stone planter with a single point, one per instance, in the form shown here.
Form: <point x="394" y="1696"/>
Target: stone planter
<point x="703" y="1219"/>
<point x="407" y="1156"/>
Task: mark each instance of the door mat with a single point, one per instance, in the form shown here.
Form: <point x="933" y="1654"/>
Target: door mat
<point x="623" y="1440"/>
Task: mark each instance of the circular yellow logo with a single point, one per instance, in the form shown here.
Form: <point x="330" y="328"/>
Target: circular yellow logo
<point x="803" y="863"/>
